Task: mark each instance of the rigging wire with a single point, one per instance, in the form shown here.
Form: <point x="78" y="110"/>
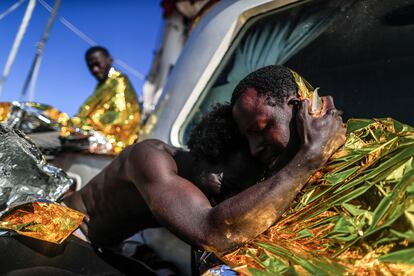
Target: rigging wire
<point x="16" y="43"/>
<point x="11" y="9"/>
<point x="92" y="42"/>
<point x="128" y="68"/>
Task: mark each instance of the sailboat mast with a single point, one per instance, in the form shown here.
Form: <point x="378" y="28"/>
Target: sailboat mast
<point x="16" y="43"/>
<point x="31" y="78"/>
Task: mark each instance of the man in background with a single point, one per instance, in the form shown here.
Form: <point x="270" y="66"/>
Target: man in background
<point x="113" y="108"/>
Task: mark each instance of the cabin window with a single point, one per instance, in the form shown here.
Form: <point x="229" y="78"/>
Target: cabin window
<point x="360" y="52"/>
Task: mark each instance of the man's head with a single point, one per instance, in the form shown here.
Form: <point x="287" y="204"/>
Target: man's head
<point x="216" y="135"/>
<point x="263" y="107"/>
<point x="99" y="62"/>
<point x="225" y="166"/>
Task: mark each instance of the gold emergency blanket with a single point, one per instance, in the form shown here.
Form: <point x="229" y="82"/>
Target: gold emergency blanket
<point x="56" y="115"/>
<point x="42" y="220"/>
<point x="4" y="111"/>
<point x="355" y="216"/>
<point x="112" y="110"/>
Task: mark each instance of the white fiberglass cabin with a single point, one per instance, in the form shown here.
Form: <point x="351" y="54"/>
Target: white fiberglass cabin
<point x="361" y="52"/>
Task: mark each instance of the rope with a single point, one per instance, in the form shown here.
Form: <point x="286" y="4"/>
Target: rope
<point x="11" y="9"/>
<point x="92" y="42"/>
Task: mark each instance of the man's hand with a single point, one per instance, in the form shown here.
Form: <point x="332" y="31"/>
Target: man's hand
<point x="321" y="135"/>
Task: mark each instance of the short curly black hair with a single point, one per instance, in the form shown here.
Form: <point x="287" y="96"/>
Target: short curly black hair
<point x="94" y="49"/>
<point x="275" y="82"/>
<point x="216" y="136"/>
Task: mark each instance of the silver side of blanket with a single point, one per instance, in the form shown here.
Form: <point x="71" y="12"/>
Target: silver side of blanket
<point x="24" y="174"/>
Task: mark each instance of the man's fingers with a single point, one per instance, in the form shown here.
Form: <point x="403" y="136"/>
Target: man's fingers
<point x="327" y="104"/>
<point x="332" y="119"/>
<point x="302" y="115"/>
<point x="305" y="106"/>
<point x="334" y="112"/>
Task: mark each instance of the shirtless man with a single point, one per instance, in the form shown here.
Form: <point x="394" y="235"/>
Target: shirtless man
<point x="219" y="165"/>
<point x="154" y="180"/>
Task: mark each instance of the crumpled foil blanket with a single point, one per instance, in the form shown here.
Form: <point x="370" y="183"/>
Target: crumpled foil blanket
<point x="26" y="181"/>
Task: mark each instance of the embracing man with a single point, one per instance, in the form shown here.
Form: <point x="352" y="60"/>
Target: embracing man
<point x="153" y="182"/>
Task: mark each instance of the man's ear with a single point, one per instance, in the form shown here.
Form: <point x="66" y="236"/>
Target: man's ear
<point x="293" y="101"/>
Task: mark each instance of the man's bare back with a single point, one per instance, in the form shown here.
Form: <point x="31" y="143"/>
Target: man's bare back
<point x="111" y="199"/>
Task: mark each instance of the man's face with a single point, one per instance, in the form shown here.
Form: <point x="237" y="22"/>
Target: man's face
<point x="267" y="128"/>
<point x="99" y="65"/>
<point x="232" y="175"/>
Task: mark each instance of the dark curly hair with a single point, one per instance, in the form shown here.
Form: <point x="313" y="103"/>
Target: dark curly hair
<point x="216" y="135"/>
<point x="94" y="49"/>
<point x="275" y="82"/>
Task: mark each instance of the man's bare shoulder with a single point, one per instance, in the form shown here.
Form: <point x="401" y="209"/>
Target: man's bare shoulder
<point x="154" y="145"/>
<point x="149" y="158"/>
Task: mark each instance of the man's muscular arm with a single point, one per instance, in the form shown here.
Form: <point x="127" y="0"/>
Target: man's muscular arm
<point x="185" y="210"/>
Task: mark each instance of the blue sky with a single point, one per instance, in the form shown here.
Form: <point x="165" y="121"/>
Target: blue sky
<point x="130" y="29"/>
